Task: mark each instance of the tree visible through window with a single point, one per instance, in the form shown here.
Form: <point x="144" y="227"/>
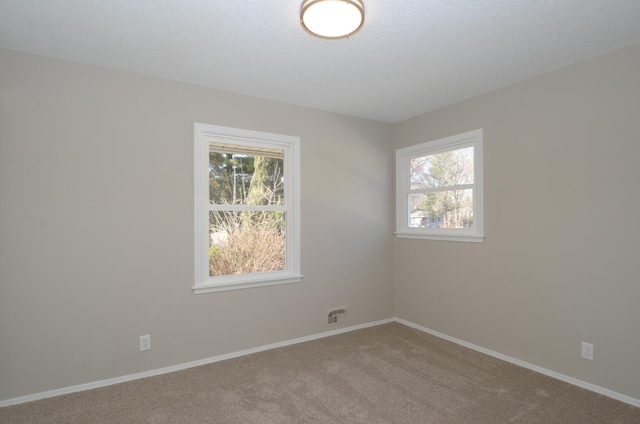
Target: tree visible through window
<point x="251" y="240"/>
<point x="442" y="188"/>
<point x="247" y="208"/>
<point x="439" y="189"/>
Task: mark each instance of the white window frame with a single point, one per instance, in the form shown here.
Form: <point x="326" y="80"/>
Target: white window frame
<point x="205" y="134"/>
<point x="403" y="158"/>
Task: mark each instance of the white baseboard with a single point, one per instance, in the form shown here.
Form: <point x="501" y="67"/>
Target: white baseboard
<point x="151" y="373"/>
<point x="553" y="374"/>
<point x="111" y="381"/>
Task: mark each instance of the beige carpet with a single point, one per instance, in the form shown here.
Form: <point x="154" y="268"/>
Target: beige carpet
<point x="385" y="374"/>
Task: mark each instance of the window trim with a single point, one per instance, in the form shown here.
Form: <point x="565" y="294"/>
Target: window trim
<point x="203" y="134"/>
<point x="404" y="155"/>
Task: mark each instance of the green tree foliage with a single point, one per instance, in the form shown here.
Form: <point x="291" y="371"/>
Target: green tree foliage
<point x="229" y="177"/>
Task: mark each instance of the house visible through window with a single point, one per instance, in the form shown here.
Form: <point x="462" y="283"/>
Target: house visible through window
<point x="439" y="189"/>
<point x="247" y="208"/>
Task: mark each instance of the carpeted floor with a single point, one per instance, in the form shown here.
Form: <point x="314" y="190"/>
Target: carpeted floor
<point x="385" y="374"/>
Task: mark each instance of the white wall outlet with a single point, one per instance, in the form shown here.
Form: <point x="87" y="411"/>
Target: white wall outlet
<point x="587" y="351"/>
<point x="145" y="342"/>
<point x="336" y="315"/>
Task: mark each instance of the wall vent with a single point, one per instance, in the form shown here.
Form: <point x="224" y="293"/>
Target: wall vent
<point x="336" y="315"/>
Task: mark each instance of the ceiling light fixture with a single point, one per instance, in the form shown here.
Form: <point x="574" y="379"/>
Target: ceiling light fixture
<point x="332" y="19"/>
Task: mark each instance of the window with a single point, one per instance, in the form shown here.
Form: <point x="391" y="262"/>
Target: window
<point x="247" y="209"/>
<point x="439" y="189"/>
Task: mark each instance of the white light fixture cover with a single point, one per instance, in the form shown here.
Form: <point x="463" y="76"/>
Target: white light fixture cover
<point x="332" y="18"/>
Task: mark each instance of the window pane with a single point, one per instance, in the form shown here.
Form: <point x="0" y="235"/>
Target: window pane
<point x="242" y="175"/>
<point x="446" y="169"/>
<point x="443" y="209"/>
<point x="246" y="242"/>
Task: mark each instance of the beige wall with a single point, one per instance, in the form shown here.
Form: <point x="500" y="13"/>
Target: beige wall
<point x="561" y="262"/>
<point x="96" y="225"/>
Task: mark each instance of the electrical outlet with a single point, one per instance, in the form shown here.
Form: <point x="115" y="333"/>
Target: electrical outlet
<point x="336" y="315"/>
<point x="145" y="342"/>
<point x="587" y="351"/>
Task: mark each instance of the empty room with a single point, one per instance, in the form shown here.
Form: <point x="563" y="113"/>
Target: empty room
<point x="228" y="212"/>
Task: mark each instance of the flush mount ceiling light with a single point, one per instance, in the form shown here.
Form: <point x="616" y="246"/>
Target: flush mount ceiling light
<point x="332" y="18"/>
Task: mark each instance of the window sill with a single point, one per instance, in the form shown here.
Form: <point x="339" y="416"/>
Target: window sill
<point x="246" y="283"/>
<point x="443" y="237"/>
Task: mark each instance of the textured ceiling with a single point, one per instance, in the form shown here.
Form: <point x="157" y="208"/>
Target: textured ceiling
<point x="411" y="56"/>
